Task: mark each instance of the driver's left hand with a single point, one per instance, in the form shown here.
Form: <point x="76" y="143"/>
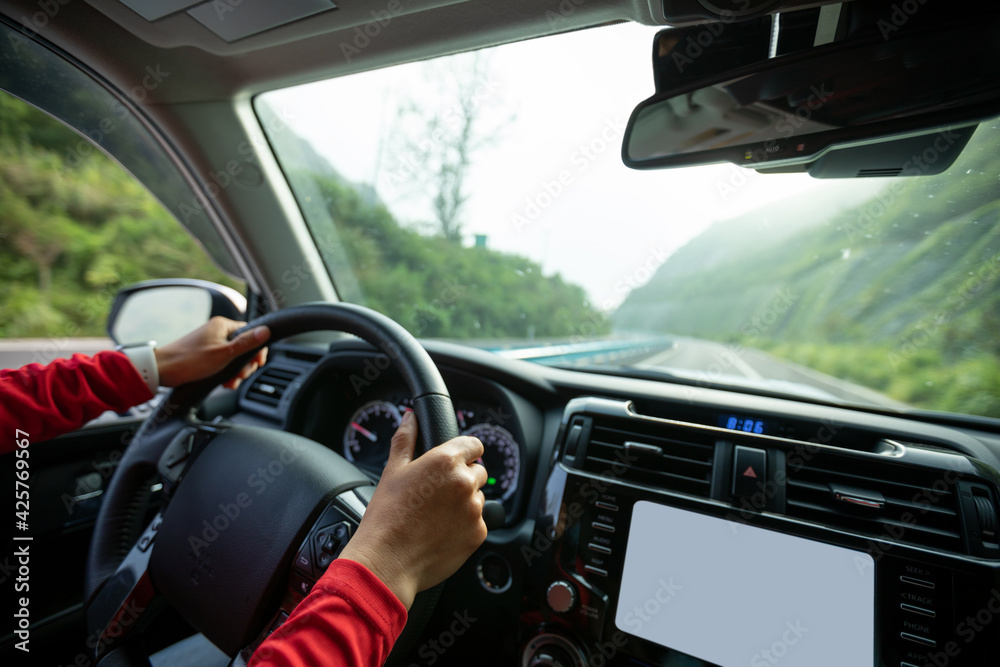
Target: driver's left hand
<point x="207" y="350"/>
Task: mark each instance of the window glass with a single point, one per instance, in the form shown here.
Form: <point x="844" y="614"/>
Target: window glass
<point x="482" y="197"/>
<point x="72" y="233"/>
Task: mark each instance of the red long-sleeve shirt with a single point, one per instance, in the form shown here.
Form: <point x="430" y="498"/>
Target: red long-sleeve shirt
<point x="349" y="618"/>
<point x="46" y="401"/>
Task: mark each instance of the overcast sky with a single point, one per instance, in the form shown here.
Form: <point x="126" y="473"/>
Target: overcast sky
<point x="604" y="226"/>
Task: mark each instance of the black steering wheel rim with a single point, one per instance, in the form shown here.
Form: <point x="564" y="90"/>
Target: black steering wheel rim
<point x="119" y="520"/>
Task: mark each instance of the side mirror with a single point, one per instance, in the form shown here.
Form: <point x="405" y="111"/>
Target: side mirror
<point x="165" y="310"/>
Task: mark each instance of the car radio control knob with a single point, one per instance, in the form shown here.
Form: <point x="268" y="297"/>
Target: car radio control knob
<point x="561" y="596"/>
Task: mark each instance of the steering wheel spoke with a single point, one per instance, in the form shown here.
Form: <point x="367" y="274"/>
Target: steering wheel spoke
<point x="321" y="546"/>
<point x="128" y="601"/>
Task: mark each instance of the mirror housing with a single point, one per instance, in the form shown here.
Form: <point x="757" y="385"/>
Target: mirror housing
<point x="859" y="95"/>
<point x="165" y="310"/>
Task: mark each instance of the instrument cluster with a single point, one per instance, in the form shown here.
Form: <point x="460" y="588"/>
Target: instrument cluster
<point x="368" y="433"/>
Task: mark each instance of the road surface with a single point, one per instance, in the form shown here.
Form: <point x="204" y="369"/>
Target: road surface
<point x="718" y="363"/>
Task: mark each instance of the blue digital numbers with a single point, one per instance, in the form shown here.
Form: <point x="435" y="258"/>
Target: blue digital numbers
<point x="745" y="424"/>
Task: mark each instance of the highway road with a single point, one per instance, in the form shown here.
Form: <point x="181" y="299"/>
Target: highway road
<point x="707" y="361"/>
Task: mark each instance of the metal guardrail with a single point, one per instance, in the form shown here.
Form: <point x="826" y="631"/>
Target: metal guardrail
<point x="586" y="352"/>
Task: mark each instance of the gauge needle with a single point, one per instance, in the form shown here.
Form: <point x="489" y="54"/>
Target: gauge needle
<point x="363" y="431"/>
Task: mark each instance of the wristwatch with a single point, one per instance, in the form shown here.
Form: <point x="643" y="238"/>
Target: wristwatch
<point x="144" y="359"/>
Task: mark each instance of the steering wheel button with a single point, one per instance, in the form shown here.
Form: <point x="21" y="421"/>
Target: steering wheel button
<point x="303" y="560"/>
<point x="341" y="532"/>
<point x="324" y="560"/>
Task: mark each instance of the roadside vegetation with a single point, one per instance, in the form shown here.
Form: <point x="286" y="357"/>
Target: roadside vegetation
<point x="900" y="293"/>
<point x="71" y="236"/>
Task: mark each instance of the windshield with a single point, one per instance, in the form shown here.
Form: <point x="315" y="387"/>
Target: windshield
<point x="482" y="197"/>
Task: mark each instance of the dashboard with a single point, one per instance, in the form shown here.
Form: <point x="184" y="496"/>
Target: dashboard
<point x="651" y="523"/>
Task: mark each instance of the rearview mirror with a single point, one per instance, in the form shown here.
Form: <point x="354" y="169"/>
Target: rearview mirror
<point x="793" y="112"/>
<point x="165" y="310"/>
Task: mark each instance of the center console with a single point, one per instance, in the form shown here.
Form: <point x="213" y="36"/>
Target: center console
<point x="667" y="543"/>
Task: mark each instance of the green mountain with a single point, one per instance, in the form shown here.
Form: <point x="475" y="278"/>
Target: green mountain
<point x="905" y="280"/>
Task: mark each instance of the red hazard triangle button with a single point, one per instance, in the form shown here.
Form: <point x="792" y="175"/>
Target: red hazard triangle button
<point x="749" y="471"/>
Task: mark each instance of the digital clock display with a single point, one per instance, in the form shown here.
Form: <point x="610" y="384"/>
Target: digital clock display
<point x="745" y="424"/>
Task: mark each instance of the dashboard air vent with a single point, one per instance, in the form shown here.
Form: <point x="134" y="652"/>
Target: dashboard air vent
<point x="668" y="457"/>
<point x="268" y="387"/>
<point x="876" y="498"/>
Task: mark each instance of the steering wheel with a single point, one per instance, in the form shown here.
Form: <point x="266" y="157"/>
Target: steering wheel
<point x="242" y="504"/>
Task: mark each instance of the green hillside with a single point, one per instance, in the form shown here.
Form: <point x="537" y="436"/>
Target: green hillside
<point x="71" y="236"/>
<point x="898" y="293"/>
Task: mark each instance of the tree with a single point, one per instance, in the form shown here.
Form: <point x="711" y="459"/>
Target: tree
<point x="437" y="136"/>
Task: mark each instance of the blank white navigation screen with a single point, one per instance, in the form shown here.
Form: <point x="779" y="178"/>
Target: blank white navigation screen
<point x="739" y="596"/>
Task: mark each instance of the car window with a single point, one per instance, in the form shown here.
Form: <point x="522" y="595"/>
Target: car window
<point x="482" y="197"/>
<point x="75" y="227"/>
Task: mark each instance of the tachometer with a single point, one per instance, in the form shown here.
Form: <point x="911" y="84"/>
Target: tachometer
<point x="502" y="459"/>
<point x="369" y="434"/>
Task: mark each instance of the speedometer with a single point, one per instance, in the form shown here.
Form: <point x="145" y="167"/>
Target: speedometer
<point x="501" y="458"/>
<point x="369" y="435"/>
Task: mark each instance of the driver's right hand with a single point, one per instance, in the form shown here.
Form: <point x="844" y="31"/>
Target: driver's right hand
<point x="426" y="515"/>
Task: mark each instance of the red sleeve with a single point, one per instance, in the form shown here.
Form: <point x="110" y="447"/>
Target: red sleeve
<point x="349" y="619"/>
<point x="46" y="401"/>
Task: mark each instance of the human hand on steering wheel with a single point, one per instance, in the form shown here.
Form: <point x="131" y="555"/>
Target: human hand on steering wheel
<point x="207" y="350"/>
<point x="426" y="515"/>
